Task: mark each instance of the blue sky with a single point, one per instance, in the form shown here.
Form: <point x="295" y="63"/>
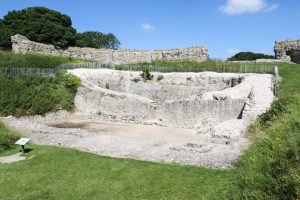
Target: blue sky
<point x="223" y="26"/>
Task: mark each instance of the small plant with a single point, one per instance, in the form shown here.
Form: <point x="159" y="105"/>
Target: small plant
<point x="135" y="80"/>
<point x="146" y="75"/>
<point x="107" y="85"/>
<point x="160" y="77"/>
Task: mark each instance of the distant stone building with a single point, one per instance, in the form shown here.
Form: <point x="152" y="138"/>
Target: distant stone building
<point x="288" y="50"/>
<point x="120" y="56"/>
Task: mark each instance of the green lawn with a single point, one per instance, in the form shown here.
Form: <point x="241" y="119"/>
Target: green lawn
<point x="269" y="169"/>
<point x="58" y="173"/>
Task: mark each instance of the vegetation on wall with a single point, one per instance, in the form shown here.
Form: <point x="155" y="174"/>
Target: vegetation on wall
<point x="249" y="56"/>
<point x="36" y="95"/>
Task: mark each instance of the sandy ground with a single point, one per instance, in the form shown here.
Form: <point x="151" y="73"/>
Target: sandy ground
<point x="143" y="142"/>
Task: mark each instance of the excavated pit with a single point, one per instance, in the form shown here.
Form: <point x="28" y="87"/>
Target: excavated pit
<point x="188" y="118"/>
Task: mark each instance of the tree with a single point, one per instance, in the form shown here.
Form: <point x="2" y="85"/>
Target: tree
<point x="38" y="24"/>
<point x="95" y="39"/>
<point x="249" y="56"/>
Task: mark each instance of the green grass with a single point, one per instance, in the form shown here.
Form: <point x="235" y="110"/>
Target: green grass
<point x="19" y="60"/>
<point x="58" y="173"/>
<point x="34" y="94"/>
<point x="269" y="169"/>
<point x="191" y="66"/>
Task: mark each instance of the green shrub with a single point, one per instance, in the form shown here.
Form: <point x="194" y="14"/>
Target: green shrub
<point x="146" y="75"/>
<point x="160" y="77"/>
<point x="7" y="138"/>
<point x="135" y="80"/>
<point x="34" y="94"/>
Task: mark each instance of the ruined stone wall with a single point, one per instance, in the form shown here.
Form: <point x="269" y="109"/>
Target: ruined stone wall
<point x="288" y="50"/>
<point x="120" y="56"/>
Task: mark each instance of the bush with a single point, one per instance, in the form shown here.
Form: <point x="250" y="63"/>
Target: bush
<point x="146" y="75"/>
<point x="38" y="24"/>
<point x="7" y="138"/>
<point x="34" y="94"/>
<point x="160" y="77"/>
<point x="249" y="56"/>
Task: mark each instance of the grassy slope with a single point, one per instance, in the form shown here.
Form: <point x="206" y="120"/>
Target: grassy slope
<point x="268" y="170"/>
<point x="10" y="59"/>
<point x="35" y="94"/>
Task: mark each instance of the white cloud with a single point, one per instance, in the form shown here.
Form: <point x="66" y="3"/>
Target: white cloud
<point x="147" y="26"/>
<point x="235" y="7"/>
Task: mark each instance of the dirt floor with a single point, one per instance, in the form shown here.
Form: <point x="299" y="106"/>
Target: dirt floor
<point x="143" y="142"/>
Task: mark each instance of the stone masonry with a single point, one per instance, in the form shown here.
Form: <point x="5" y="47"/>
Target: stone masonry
<point x="121" y="56"/>
<point x="288" y="50"/>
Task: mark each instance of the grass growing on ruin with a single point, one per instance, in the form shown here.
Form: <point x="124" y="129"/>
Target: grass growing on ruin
<point x="34" y="94"/>
<point x="10" y="59"/>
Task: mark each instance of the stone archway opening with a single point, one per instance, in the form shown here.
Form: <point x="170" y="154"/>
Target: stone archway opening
<point x="295" y="55"/>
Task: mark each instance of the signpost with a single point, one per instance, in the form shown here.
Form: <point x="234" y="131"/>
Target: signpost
<point x="22" y="142"/>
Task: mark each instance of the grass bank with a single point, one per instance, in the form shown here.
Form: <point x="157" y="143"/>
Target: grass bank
<point x="34" y="94"/>
<point x="270" y="168"/>
<point x="20" y="60"/>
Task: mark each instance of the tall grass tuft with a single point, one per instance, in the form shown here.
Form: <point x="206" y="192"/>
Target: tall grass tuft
<point x="10" y="59"/>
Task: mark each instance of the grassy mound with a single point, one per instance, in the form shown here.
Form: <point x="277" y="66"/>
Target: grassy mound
<point x="34" y="94"/>
<point x="10" y="59"/>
